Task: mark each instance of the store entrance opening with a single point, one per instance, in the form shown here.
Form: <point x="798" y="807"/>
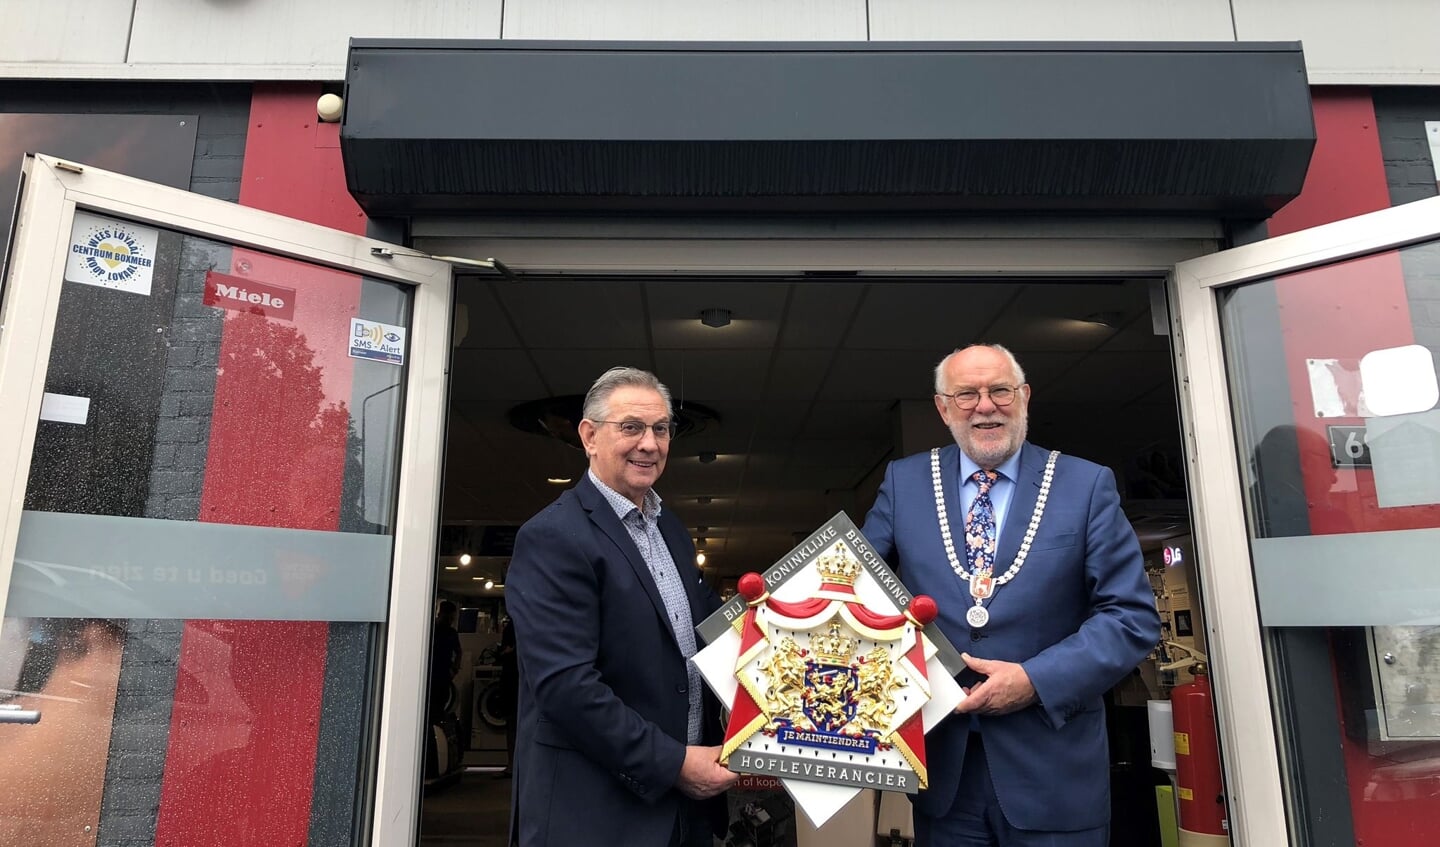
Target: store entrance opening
<point x="792" y="394"/>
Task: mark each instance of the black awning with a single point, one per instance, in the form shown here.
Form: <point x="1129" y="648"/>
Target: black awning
<point x="454" y="126"/>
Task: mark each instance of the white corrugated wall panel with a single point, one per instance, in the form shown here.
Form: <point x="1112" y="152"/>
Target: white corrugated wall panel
<point x="1051" y="20"/>
<point x="687" y="20"/>
<point x="64" y="31"/>
<point x="1350" y="42"/>
<point x="294" y="32"/>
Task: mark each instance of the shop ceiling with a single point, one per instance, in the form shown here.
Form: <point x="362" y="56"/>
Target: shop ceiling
<point x="815" y="385"/>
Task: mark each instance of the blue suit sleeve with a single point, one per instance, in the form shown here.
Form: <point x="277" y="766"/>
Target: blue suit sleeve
<point x="1122" y="627"/>
<point x="879" y="528"/>
<point x="553" y="597"/>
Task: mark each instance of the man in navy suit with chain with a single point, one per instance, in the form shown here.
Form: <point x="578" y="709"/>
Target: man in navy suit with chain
<point x="1040" y="580"/>
<point x="618" y="740"/>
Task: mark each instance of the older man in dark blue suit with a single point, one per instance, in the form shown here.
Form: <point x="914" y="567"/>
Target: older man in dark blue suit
<point x="1039" y="577"/>
<point x="616" y="741"/>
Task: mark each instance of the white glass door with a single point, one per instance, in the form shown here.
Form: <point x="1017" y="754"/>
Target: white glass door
<point x="220" y="442"/>
<point x="1308" y="365"/>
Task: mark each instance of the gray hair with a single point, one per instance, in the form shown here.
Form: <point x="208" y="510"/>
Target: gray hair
<point x="1014" y="365"/>
<point x="597" y="399"/>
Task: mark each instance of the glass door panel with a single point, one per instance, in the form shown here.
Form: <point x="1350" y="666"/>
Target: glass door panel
<point x="1320" y="352"/>
<point x="199" y="592"/>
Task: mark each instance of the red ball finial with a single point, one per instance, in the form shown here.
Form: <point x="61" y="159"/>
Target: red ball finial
<point x="752" y="587"/>
<point x="923" y="609"/>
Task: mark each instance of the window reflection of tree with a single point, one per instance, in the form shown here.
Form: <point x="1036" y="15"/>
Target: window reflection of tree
<point x="278" y="407"/>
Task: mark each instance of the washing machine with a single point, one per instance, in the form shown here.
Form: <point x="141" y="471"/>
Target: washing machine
<point x="487" y="719"/>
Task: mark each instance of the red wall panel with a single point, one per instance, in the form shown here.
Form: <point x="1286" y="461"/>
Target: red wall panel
<point x="241" y="760"/>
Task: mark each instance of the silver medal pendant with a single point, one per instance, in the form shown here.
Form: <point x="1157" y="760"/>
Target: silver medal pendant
<point x="977" y="616"/>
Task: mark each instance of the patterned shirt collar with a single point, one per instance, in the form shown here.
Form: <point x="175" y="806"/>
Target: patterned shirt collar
<point x="650" y="507"/>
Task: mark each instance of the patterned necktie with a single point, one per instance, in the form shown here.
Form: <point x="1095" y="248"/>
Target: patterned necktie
<point x="980" y="526"/>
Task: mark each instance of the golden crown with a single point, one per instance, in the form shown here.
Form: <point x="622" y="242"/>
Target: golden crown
<point x="833" y="647"/>
<point x="838" y="565"/>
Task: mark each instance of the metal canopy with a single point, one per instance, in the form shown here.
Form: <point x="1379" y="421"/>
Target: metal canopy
<point x="446" y="126"/>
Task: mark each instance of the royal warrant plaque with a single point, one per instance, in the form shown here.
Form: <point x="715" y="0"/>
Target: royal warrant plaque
<point x="831" y="672"/>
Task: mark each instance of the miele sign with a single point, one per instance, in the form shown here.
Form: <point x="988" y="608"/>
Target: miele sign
<point x="247" y="295"/>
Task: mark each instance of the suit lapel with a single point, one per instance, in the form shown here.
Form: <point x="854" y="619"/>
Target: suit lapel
<point x="605" y="518"/>
<point x="1022" y="505"/>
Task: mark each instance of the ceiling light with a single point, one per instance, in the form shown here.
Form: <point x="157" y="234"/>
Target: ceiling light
<point x="559" y="480"/>
<point x="489" y="584"/>
<point x="715" y="317"/>
<point x="464" y="558"/>
<point x="700" y="559"/>
<point x="452" y="567"/>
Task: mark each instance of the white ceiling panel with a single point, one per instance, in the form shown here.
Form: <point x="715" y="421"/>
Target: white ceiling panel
<point x="494" y="377"/>
<point x="1052" y="20"/>
<point x="485" y="324"/>
<point x="292" y="32"/>
<point x="570" y="371"/>
<point x="1350" y="41"/>
<point x="573" y="315"/>
<point x="81" y="31"/>
<point x="820" y="312"/>
<point x="925" y="316"/>
<point x="687" y="20"/>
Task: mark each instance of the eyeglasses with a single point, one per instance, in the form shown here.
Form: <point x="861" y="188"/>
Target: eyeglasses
<point x="635" y="429"/>
<point x="1000" y="395"/>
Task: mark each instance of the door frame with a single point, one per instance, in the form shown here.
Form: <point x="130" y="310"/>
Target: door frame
<point x="1245" y="711"/>
<point x="51" y="191"/>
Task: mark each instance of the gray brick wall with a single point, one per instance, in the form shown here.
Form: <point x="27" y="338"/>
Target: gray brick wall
<point x="183" y="432"/>
<point x="1400" y="115"/>
<point x="140" y="735"/>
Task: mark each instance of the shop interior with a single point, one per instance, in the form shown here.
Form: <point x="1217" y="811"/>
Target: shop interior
<point x="792" y="394"/>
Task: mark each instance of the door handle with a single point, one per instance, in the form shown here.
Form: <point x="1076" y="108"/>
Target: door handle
<point x="12" y="713"/>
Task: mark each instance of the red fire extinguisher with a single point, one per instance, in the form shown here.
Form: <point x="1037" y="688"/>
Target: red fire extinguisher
<point x="1199" y="786"/>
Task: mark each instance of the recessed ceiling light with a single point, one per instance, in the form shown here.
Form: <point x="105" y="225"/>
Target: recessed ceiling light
<point x="715" y="317"/>
<point x="700" y="558"/>
<point x="452" y="567"/>
<point x="559" y="480"/>
<point x="465" y="558"/>
<point x="489" y="584"/>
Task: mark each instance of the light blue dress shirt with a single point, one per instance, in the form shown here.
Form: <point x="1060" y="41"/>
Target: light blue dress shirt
<point x="1000" y="493"/>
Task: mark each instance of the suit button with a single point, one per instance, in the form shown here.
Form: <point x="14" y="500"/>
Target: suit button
<point x="976" y="635"/>
<point x="680" y="689"/>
